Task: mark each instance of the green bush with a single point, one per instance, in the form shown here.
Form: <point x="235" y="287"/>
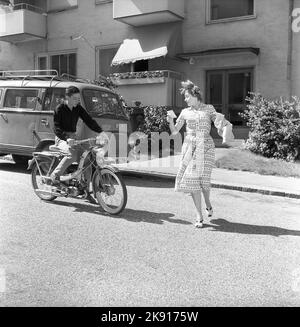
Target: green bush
<point x="274" y="127"/>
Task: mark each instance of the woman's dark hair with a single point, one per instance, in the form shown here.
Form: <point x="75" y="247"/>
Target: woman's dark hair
<point x="72" y="90"/>
<point x="193" y="89"/>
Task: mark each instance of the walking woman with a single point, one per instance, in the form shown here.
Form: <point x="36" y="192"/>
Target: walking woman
<point x="198" y="150"/>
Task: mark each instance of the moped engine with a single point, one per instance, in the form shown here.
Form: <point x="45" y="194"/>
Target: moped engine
<point x="73" y="191"/>
<point x="72" y="188"/>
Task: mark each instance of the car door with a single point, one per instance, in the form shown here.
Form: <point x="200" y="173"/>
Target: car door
<point x="17" y="120"/>
<point x="51" y="98"/>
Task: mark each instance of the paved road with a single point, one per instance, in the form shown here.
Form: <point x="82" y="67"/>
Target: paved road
<point x="70" y="253"/>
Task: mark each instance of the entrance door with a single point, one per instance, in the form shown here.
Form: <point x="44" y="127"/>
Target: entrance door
<point x="226" y="91"/>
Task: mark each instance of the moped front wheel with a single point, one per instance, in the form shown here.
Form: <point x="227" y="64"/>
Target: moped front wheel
<point x="109" y="190"/>
<point x="39" y="184"/>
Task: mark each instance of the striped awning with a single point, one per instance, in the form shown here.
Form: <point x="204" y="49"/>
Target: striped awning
<point x="147" y="43"/>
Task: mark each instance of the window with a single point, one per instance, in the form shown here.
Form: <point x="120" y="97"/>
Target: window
<point x="220" y="9"/>
<point x="64" y="63"/>
<point x="227" y="91"/>
<point x="105" y="58"/>
<point x="53" y="97"/>
<point x="19" y="98"/>
<point x="100" y="103"/>
<point x="1" y="93"/>
<point x="42" y="63"/>
<point x="141" y="66"/>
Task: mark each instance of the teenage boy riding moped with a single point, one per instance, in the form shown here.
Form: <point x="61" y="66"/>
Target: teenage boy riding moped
<point x="66" y="116"/>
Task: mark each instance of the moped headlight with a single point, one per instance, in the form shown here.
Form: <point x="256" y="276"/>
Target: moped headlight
<point x="100" y="156"/>
<point x="102" y="139"/>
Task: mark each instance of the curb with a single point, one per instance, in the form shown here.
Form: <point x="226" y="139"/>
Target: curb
<point x="171" y="177"/>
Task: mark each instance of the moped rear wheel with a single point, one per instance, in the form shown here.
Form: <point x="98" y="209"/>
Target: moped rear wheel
<point x="109" y="190"/>
<point x="40" y="187"/>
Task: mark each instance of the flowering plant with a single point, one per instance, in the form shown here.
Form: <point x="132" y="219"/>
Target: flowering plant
<point x="105" y="82"/>
<point x="144" y="74"/>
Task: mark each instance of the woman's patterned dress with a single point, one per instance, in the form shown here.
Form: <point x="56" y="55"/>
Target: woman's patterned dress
<point x="198" y="150"/>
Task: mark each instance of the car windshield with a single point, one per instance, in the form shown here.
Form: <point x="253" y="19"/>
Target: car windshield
<point x="99" y="103"/>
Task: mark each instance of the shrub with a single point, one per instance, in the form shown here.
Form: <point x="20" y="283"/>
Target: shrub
<point x="150" y="119"/>
<point x="274" y="127"/>
<point x="154" y="120"/>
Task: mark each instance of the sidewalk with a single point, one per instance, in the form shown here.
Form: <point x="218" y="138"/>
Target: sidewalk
<point x="221" y="178"/>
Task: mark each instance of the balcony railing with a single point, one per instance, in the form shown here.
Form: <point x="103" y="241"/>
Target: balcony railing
<point x="27" y="6"/>
<point x="145" y="12"/>
<point x="23" y="22"/>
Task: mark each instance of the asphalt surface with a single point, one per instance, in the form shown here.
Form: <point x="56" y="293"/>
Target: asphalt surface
<point x="70" y="253"/>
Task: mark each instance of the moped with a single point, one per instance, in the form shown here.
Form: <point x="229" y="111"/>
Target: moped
<point x="108" y="187"/>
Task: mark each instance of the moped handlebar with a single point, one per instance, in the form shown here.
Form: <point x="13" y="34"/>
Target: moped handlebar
<point x="90" y="140"/>
<point x="85" y="141"/>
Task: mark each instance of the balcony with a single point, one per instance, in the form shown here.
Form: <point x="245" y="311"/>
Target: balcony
<point x="159" y="88"/>
<point x="145" y="12"/>
<point x="22" y="23"/>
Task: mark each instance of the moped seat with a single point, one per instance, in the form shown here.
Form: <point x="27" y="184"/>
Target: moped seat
<point x="54" y="148"/>
<point x="57" y="150"/>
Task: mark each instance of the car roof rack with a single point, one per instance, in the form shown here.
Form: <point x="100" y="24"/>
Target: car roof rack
<point x="34" y="74"/>
<point x="47" y="75"/>
<point x="25" y="75"/>
<point x="73" y="78"/>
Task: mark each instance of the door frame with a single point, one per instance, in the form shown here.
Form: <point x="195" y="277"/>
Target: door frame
<point x="15" y="142"/>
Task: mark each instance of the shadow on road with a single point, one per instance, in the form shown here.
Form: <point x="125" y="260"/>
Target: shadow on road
<point x="223" y="225"/>
<point x="128" y="214"/>
<point x="142" y="181"/>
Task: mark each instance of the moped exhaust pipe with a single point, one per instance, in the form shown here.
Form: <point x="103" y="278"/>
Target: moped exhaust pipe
<point x="42" y="192"/>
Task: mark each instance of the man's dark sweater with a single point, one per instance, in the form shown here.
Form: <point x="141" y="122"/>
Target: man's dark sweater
<point x="65" y="120"/>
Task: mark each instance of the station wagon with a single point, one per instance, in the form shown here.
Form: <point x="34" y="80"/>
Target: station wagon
<point x="27" y="103"/>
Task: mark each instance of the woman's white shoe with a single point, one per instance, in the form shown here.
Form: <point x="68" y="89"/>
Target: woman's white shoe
<point x="199" y="223"/>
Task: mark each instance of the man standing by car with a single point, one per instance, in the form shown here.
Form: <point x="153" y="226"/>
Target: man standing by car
<point x="66" y="116"/>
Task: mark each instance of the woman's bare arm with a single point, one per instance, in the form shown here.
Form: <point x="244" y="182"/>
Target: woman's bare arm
<point x="175" y="128"/>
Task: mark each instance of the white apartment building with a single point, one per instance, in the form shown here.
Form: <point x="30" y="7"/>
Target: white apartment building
<point x="227" y="47"/>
